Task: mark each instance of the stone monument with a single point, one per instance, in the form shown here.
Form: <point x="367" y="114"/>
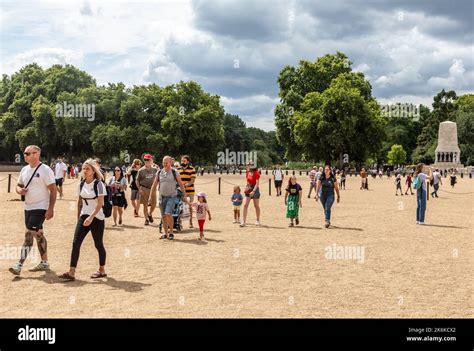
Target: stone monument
<point x="448" y="154"/>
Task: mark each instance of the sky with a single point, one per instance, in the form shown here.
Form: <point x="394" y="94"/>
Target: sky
<point x="408" y="50"/>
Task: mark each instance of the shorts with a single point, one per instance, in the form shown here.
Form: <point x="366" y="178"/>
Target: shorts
<point x="59" y="182"/>
<point x="34" y="219"/>
<point x="256" y="195"/>
<point x="118" y="201"/>
<point x="278" y="183"/>
<point x="237" y="207"/>
<point x="148" y="197"/>
<point x="167" y="204"/>
<point x="135" y="195"/>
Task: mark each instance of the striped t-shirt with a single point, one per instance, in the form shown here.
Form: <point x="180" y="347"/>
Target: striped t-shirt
<point x="186" y="175"/>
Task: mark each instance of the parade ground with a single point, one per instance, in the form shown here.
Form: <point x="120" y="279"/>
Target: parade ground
<point x="373" y="262"/>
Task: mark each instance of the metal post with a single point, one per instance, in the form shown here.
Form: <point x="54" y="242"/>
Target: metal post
<point x="219" y="189"/>
<point x="9" y="181"/>
<point x="269" y="187"/>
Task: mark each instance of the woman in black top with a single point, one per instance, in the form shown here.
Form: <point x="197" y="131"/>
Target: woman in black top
<point x="327" y="183"/>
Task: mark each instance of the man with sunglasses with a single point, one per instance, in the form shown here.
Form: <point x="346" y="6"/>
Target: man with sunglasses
<point x="37" y="184"/>
<point x="145" y="178"/>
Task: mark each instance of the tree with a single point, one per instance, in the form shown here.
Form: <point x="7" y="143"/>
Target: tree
<point x="396" y="155"/>
<point x="327" y="110"/>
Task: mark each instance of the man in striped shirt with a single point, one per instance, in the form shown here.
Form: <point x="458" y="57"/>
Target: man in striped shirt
<point x="188" y="176"/>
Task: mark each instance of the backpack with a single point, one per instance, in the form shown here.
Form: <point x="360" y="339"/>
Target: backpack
<point x="107" y="207"/>
<point x="174" y="175"/>
<point x="417" y="182"/>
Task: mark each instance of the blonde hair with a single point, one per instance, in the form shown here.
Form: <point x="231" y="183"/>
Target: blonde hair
<point x="95" y="167"/>
<point x="236" y="188"/>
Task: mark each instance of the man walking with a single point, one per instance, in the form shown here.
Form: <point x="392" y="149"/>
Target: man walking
<point x="278" y="179"/>
<point x="60" y="170"/>
<point x="188" y="176"/>
<point x="436" y="182"/>
<point x="145" y="178"/>
<point x="37" y="184"/>
<point x="167" y="180"/>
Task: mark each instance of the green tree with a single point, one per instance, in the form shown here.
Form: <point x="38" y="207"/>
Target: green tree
<point x="396" y="155"/>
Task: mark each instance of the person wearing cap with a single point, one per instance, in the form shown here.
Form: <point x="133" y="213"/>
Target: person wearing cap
<point x="145" y="178"/>
<point x="167" y="180"/>
<point x="201" y="209"/>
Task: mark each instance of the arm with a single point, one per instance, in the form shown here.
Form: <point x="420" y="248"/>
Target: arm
<point x="52" y="200"/>
<point x="336" y="186"/>
<point x="20" y="189"/>
<point x="300" y="195"/>
<point x="181" y="186"/>
<point x="318" y="186"/>
<point x="100" y="203"/>
<point x="155" y="184"/>
<point x="286" y="196"/>
<point x="209" y="213"/>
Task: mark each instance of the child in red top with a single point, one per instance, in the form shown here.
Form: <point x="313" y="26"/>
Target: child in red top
<point x="201" y="209"/>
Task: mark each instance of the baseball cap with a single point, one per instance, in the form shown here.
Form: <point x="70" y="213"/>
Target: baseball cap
<point x="201" y="194"/>
<point x="147" y="157"/>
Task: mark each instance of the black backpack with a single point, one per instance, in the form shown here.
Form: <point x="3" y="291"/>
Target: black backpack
<point x="107" y="207"/>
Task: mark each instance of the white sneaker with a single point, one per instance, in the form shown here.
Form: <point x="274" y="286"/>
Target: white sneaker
<point x="242" y="224"/>
<point x="235" y="222"/>
<point x="16" y="268"/>
<point x="421" y="223"/>
<point x="257" y="222"/>
<point x="417" y="222"/>
<point x="42" y="266"/>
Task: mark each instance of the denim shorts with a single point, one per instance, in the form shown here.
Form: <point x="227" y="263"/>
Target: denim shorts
<point x="167" y="204"/>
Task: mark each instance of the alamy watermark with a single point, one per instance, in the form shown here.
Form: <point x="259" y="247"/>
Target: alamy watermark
<point x="236" y="158"/>
<point x="76" y="111"/>
<point x="401" y="111"/>
<point x="338" y="252"/>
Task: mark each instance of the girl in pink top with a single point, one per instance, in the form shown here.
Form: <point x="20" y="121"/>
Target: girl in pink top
<point x="201" y="209"/>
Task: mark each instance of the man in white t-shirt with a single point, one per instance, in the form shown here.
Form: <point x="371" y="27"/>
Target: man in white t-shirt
<point x="60" y="171"/>
<point x="37" y="184"/>
<point x="436" y="182"/>
<point x="278" y="179"/>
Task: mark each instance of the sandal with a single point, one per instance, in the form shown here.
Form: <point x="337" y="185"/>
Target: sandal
<point x="297" y="221"/>
<point x="291" y="225"/>
<point x="163" y="237"/>
<point x="67" y="276"/>
<point x="171" y="237"/>
<point x="98" y="275"/>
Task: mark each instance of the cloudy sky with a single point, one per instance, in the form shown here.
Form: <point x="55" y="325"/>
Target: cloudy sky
<point x="409" y="50"/>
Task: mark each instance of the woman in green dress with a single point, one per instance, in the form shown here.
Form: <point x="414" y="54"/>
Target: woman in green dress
<point x="293" y="200"/>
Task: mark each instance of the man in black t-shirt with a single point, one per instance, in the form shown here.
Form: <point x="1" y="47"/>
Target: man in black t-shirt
<point x="135" y="196"/>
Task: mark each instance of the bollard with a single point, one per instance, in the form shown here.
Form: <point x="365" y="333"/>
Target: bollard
<point x="462" y="174"/>
<point x="286" y="172"/>
<point x="233" y="172"/>
<point x="269" y="187"/>
<point x="227" y="171"/>
<point x="293" y="172"/>
<point x="300" y="173"/>
<point x="219" y="186"/>
<point x="9" y="182"/>
<point x="307" y="172"/>
<point x="266" y="172"/>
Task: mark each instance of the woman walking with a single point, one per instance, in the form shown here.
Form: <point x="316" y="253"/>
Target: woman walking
<point x="252" y="192"/>
<point x="419" y="183"/>
<point x="118" y="184"/>
<point x="328" y="184"/>
<point x="135" y="193"/>
<point x="90" y="218"/>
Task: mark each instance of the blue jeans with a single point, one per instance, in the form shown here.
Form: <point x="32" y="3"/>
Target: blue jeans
<point x="420" y="204"/>
<point x="327" y="200"/>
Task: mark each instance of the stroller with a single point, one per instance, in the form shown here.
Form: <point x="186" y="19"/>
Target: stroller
<point x="177" y="214"/>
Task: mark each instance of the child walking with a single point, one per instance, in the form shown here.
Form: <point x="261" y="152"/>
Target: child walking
<point x="237" y="199"/>
<point x="293" y="200"/>
<point x="408" y="183"/>
<point x="201" y="209"/>
<point x="398" y="182"/>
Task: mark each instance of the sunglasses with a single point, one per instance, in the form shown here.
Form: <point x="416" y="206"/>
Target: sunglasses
<point x="117" y="170"/>
<point x="147" y="160"/>
<point x="29" y="153"/>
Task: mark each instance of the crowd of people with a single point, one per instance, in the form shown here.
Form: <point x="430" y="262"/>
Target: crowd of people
<point x="99" y="198"/>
